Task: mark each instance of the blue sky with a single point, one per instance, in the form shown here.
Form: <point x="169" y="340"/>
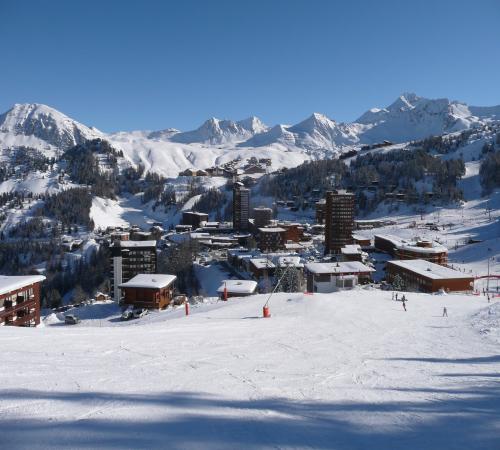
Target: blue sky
<point x="122" y="65"/>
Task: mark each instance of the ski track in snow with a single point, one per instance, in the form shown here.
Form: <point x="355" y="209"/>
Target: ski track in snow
<point x="348" y="370"/>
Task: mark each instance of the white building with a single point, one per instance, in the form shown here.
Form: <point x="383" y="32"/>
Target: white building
<point x="330" y="277"/>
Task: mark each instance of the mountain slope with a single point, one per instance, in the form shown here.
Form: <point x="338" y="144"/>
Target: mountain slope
<point x="325" y="371"/>
<point x="411" y="117"/>
<point x="40" y="122"/>
<point x="170" y="151"/>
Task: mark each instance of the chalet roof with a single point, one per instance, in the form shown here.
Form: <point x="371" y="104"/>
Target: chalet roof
<point x="262" y="263"/>
<point x="11" y="283"/>
<point x="149" y="281"/>
<point x="430" y="270"/>
<point x="338" y="268"/>
<point x="238" y="286"/>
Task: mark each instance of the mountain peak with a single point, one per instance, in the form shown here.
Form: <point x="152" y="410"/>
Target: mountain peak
<point x="216" y="131"/>
<point x="45" y="123"/>
<point x="253" y="124"/>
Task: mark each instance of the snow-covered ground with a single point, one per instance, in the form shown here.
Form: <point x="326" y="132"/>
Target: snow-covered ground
<point x="345" y="371"/>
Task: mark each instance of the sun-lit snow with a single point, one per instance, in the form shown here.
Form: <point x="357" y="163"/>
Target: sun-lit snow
<point x="350" y="370"/>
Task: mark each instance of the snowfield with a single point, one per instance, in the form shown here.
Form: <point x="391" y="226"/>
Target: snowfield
<point x="349" y="370"/>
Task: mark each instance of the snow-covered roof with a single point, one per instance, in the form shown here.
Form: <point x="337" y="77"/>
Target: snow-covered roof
<point x="402" y="244"/>
<point x="11" y="283"/>
<point x="294" y="246"/>
<point x="134" y="244"/>
<point x="436" y="248"/>
<point x="195" y="213"/>
<point x="394" y="240"/>
<point x="341" y="267"/>
<point x="238" y="286"/>
<point x="149" y="281"/>
<point x="272" y="230"/>
<point x="359" y="237"/>
<point x="289" y="261"/>
<point x="262" y="263"/>
<point x="428" y="269"/>
<point x="351" y="249"/>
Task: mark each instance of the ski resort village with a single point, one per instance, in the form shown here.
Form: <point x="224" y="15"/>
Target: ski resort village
<point x="320" y="285"/>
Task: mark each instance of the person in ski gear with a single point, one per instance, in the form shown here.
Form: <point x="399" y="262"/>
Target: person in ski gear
<point x="445" y="312"/>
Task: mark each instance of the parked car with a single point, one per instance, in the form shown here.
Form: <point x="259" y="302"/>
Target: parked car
<point x="139" y="312"/>
<point x="71" y="319"/>
<point x="128" y="313"/>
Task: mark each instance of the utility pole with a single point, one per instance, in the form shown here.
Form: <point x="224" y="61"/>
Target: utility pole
<point x="488" y="279"/>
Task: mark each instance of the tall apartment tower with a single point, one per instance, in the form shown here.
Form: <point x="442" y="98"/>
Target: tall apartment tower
<point x="339" y="220"/>
<point x="128" y="259"/>
<point x="241" y="206"/>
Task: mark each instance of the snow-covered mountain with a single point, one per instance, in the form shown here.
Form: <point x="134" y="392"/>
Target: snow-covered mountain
<point x="170" y="151"/>
<point x="314" y="133"/>
<point x="412" y="117"/>
<point x="42" y="127"/>
<point x="216" y="132"/>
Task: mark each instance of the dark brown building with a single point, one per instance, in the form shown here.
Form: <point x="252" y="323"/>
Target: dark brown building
<point x="194" y="218"/>
<point x="293" y="231"/>
<point x="262" y="216"/>
<point x="339" y="220"/>
<point x="271" y="239"/>
<point x="152" y="291"/>
<point x="420" y="249"/>
<point x="241" y="206"/>
<point x="20" y="300"/>
<point x="425" y="276"/>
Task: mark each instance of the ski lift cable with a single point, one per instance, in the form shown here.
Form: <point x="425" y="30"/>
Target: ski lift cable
<point x="289" y="265"/>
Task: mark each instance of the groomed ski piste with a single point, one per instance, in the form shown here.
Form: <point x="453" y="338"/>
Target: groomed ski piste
<point x="348" y="370"/>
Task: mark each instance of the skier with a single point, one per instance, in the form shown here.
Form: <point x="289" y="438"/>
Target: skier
<point x="488" y="298"/>
<point x="396" y="296"/>
<point x="445" y="312"/>
<point x="404" y="303"/>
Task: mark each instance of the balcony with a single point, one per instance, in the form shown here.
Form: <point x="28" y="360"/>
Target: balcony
<point x="20" y="303"/>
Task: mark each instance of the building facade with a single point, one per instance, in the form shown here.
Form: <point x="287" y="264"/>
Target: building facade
<point x="20" y="300"/>
<point x="194" y="218"/>
<point x="154" y="291"/>
<point x="331" y="277"/>
<point x="241" y="207"/>
<point x="262" y="216"/>
<point x="128" y="259"/>
<point x="416" y="249"/>
<point x="339" y="220"/>
<point x="425" y="276"/>
<point x="271" y="239"/>
<point x="293" y="231"/>
<point x="320" y="207"/>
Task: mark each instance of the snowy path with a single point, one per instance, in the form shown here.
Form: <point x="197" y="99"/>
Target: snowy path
<point x="346" y="371"/>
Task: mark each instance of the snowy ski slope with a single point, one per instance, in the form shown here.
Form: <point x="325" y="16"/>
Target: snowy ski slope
<point x="340" y="371"/>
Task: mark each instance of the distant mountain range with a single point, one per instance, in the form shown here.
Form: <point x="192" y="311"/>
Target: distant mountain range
<point x="169" y="151"/>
